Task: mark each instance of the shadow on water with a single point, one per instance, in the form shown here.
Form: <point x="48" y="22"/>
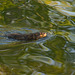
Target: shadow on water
<point x="53" y="55"/>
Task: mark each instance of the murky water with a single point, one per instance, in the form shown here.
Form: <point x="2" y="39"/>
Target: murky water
<point x="53" y="55"/>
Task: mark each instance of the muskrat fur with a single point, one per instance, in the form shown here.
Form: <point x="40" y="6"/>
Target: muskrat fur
<point x="31" y="36"/>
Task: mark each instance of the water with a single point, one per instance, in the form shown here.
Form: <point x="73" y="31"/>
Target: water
<point x="54" y="55"/>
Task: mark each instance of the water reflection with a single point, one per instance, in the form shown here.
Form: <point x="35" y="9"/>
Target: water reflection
<point x="4" y="70"/>
<point x="50" y="56"/>
<point x="44" y="59"/>
<point x="61" y="6"/>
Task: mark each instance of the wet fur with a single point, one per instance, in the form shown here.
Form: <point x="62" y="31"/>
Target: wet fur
<point x="31" y="36"/>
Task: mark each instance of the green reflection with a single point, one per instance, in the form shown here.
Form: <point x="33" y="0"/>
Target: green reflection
<point x="50" y="56"/>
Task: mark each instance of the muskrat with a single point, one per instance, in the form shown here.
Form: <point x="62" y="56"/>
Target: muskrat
<point x="30" y="36"/>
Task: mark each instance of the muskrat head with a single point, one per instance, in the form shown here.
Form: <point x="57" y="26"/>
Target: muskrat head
<point x="42" y="34"/>
<point x="39" y="35"/>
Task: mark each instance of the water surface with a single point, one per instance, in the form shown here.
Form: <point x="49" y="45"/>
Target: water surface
<point x="54" y="55"/>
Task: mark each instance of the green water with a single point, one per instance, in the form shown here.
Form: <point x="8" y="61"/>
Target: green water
<point x="54" y="55"/>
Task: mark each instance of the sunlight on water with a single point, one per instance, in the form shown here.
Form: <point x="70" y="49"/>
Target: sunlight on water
<point x="60" y="6"/>
<point x="52" y="55"/>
